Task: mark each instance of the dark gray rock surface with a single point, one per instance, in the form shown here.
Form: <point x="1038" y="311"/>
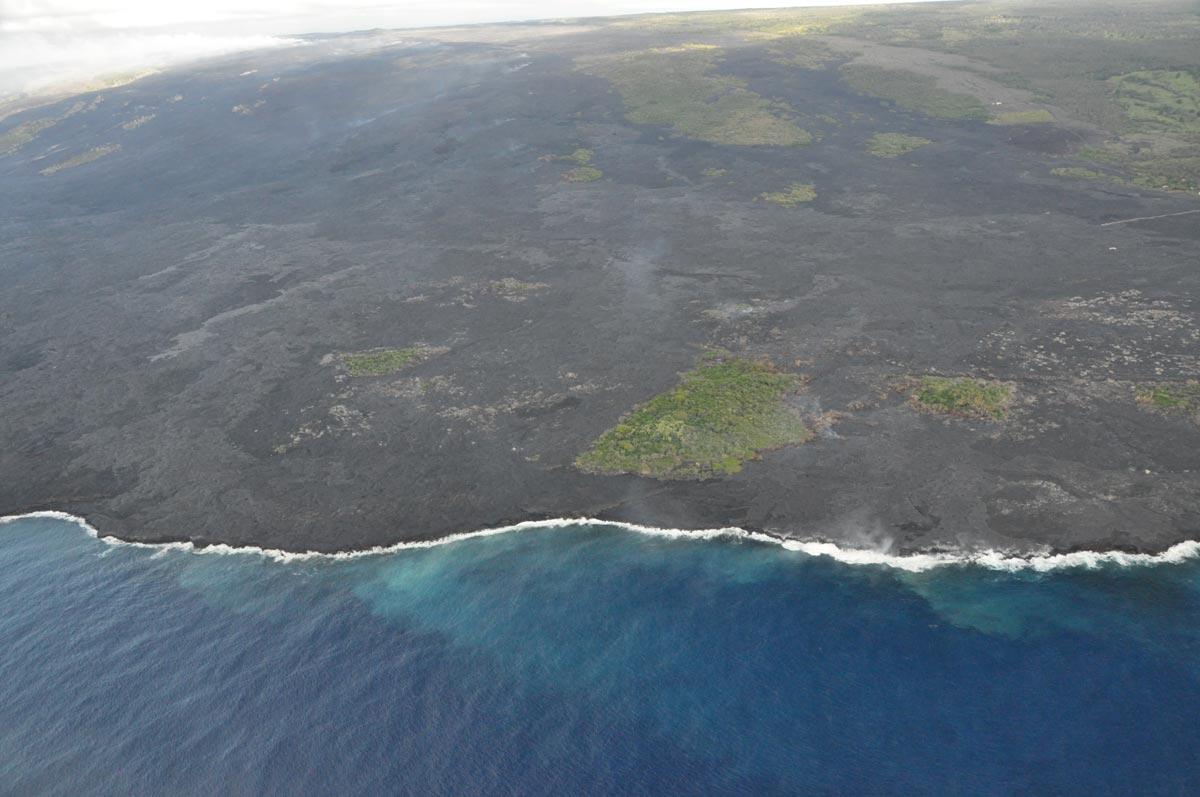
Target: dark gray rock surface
<point x="171" y="312"/>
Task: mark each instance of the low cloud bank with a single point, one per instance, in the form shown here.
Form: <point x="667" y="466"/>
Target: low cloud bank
<point x="33" y="62"/>
<point x="45" y="43"/>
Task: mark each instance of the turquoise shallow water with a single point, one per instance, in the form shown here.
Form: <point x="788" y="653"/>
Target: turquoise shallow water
<point x="587" y="659"/>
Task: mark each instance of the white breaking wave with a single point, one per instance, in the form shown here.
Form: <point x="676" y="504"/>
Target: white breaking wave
<point x="913" y="563"/>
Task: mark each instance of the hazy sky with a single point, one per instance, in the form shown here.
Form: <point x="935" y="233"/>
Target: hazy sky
<point x="45" y="42"/>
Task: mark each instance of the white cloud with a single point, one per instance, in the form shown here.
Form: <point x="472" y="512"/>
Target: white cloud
<point x="34" y="61"/>
<point x="46" y="42"/>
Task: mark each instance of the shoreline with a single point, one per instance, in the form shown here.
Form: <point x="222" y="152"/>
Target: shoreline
<point x="208" y="399"/>
<point x="990" y="559"/>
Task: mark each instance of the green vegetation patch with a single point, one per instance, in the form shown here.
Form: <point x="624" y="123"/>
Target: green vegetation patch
<point x="964" y="397"/>
<point x="797" y="194"/>
<point x="1129" y="69"/>
<point x="1151" y="165"/>
<point x="1100" y="154"/>
<point x="679" y="87"/>
<point x="514" y="289"/>
<point x="381" y="362"/>
<point x="1077" y="172"/>
<point x="912" y="91"/>
<point x="583" y="174"/>
<point x="137" y="121"/>
<point x="1172" y="399"/>
<point x="892" y="145"/>
<point x="12" y="140"/>
<point x="1175" y="172"/>
<point x="1163" y="100"/>
<point x="801" y="52"/>
<point x="20" y="135"/>
<point x="722" y="413"/>
<point x="1164" y="107"/>
<point x="752" y="25"/>
<point x="1039" y="116"/>
<point x="580" y="157"/>
<point x="95" y="153"/>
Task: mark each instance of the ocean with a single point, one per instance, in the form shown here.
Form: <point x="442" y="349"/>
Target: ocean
<point x="588" y="659"/>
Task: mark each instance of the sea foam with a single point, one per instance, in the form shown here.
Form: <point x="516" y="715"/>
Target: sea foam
<point x="915" y="562"/>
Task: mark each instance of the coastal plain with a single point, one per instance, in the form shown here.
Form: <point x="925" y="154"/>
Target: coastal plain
<point x="908" y="277"/>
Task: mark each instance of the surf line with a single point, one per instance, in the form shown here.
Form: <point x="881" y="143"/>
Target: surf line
<point x="917" y="562"/>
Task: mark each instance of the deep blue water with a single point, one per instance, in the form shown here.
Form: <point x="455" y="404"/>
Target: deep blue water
<point x="586" y="659"/>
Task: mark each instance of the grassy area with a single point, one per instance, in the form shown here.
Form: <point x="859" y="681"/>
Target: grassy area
<point x="1100" y="155"/>
<point x="1164" y="153"/>
<point x="679" y="87"/>
<point x="797" y="194"/>
<point x="802" y="53"/>
<point x="95" y="153"/>
<point x="1062" y="51"/>
<point x="514" y="289"/>
<point x="963" y="397"/>
<point x="892" y="145"/>
<point x="583" y="174"/>
<point x="1128" y="68"/>
<point x="722" y="413"/>
<point x="381" y="362"/>
<point x="1077" y="173"/>
<point x="1039" y="116"/>
<point x="751" y="25"/>
<point x="912" y="91"/>
<point x="1150" y="164"/>
<point x="12" y="140"/>
<point x="712" y="171"/>
<point x="20" y="135"/>
<point x="137" y="121"/>
<point x="580" y="157"/>
<point x="1172" y="399"/>
<point x="1160" y="100"/>
<point x="1176" y="171"/>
